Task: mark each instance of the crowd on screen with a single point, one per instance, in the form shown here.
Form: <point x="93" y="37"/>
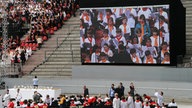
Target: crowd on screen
<point x="114" y="99"/>
<point x="125" y="35"/>
<point x="43" y="18"/>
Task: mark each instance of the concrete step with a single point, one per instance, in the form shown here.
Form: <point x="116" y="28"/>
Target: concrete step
<point x="73" y="23"/>
<point x="64" y="59"/>
<point x="66" y="56"/>
<point x="55" y="66"/>
<point x="68" y="48"/>
<point x="71" y="35"/>
<point x="53" y="70"/>
<point x="62" y="63"/>
<point x="51" y="73"/>
<point x="64" y="52"/>
<point x="70" y="45"/>
<point x="72" y="41"/>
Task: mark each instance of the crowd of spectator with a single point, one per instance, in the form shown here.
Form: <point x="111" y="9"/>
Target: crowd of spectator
<point x="43" y="18"/>
<point x="114" y="99"/>
<point x="125" y="35"/>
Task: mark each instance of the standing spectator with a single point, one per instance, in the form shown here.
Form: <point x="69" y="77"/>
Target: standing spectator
<point x="124" y="103"/>
<point x="23" y="59"/>
<point x="172" y="103"/>
<point x="159" y="97"/>
<point x="39" y="41"/>
<point x="116" y="101"/>
<point x="6" y="99"/>
<point x="146" y="105"/>
<point x="130" y="101"/>
<point x="36" y="97"/>
<point x="86" y="91"/>
<point x="117" y="90"/>
<point x="112" y="92"/>
<point x="138" y="103"/>
<point x="18" y="96"/>
<point x="10" y="104"/>
<point x="122" y="89"/>
<point x="106" y="98"/>
<point x="146" y="97"/>
<point x="62" y="101"/>
<point x="132" y="89"/>
<point x="35" y="82"/>
<point x="47" y="100"/>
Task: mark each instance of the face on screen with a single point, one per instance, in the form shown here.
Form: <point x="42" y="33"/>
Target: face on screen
<point x="128" y="35"/>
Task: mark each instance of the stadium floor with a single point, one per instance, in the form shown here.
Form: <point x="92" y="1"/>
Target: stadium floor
<point x="180" y="91"/>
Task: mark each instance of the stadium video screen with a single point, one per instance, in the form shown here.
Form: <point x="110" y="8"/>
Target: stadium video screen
<point x="125" y="35"/>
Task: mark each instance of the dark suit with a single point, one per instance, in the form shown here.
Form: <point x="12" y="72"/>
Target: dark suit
<point x="86" y="92"/>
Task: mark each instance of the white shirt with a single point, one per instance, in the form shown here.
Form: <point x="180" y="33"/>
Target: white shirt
<point x="105" y="41"/>
<point x="145" y="61"/>
<point x="81" y="42"/>
<point x="172" y="104"/>
<point x="130" y="102"/>
<point x="88" y="41"/>
<point x="146" y="13"/>
<point x="85" y="20"/>
<point x="116" y="103"/>
<point x="159" y="41"/>
<point x="134" y="59"/>
<point x="117" y="12"/>
<point x="165" y="25"/>
<point x="109" y="52"/>
<point x="104" y="62"/>
<point x="6" y="98"/>
<point x="159" y="98"/>
<point x="166" y="37"/>
<point x="113" y="32"/>
<point x="138" y="104"/>
<point x="18" y="97"/>
<point x="151" y="49"/>
<point x="121" y="39"/>
<point x="164" y="14"/>
<point x="124" y="104"/>
<point x="128" y="30"/>
<point x="105" y="20"/>
<point x="131" y="19"/>
<point x="94" y="58"/>
<point x="35" y="81"/>
<point x="146" y="106"/>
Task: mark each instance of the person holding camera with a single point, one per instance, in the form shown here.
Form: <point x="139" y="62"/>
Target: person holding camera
<point x="36" y="97"/>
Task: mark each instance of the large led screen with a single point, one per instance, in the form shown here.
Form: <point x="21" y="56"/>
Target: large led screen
<point x="125" y="35"/>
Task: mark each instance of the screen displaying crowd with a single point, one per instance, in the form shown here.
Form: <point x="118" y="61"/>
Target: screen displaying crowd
<point x="128" y="35"/>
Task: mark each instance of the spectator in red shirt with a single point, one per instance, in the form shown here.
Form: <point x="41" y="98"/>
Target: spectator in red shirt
<point x="44" y="105"/>
<point x="146" y="97"/>
<point x="10" y="104"/>
<point x="35" y="105"/>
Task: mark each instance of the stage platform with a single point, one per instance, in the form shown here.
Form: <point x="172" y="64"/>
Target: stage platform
<point x="27" y="93"/>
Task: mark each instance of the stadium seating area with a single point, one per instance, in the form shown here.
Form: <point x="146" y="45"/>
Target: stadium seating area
<point x="38" y="21"/>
